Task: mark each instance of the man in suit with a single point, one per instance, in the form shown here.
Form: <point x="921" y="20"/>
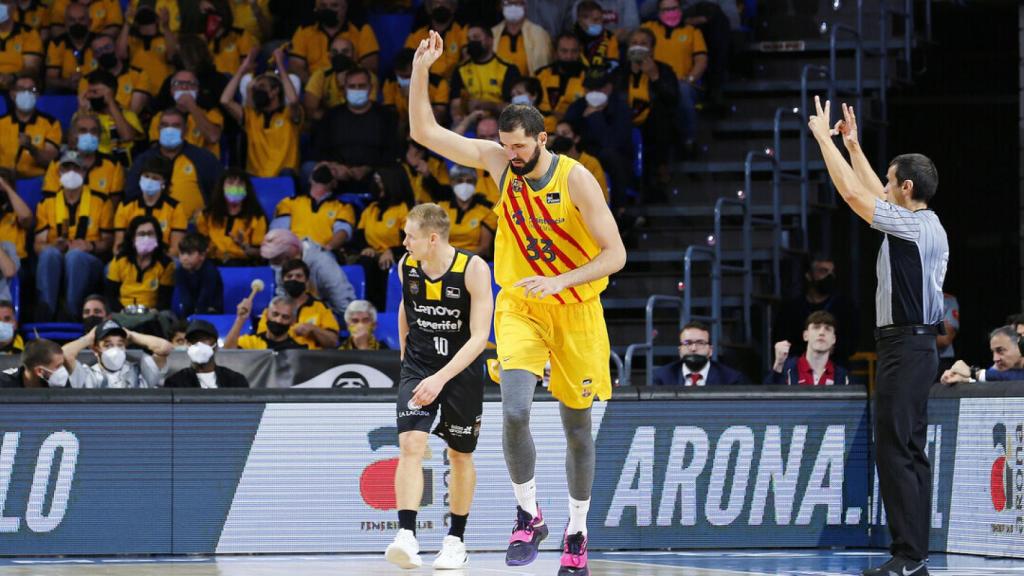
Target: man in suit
<point x="695" y="367"/>
<point x="204" y="372"/>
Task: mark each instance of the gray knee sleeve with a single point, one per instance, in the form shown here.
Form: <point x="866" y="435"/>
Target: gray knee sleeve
<point x="517" y="388"/>
<point x="579" y="456"/>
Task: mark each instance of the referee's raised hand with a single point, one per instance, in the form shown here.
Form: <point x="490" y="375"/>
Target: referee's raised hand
<point x="819" y="122"/>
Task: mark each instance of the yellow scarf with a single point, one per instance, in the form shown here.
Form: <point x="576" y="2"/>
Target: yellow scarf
<point x="62" y="214"/>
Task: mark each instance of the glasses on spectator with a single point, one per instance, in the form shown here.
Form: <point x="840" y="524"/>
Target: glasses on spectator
<point x="694" y="343"/>
<point x="361" y="320"/>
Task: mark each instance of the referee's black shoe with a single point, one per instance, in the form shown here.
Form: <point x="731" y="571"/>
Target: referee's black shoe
<point x="898" y="566"/>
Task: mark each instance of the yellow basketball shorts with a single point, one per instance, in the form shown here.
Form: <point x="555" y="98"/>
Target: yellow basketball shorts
<point x="573" y="337"/>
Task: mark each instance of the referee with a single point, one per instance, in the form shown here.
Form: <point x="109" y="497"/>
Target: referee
<point x="911" y="266"/>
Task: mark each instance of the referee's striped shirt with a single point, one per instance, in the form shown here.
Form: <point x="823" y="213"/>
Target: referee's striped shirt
<point x="911" y="265"/>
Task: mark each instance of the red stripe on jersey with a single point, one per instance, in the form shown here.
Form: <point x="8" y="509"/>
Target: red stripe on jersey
<point x="566" y="261"/>
<point x="558" y="229"/>
<point x="522" y="249"/>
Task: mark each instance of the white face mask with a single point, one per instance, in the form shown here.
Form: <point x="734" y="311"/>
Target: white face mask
<point x="71" y="180"/>
<point x="113" y="359"/>
<point x="58" y="378"/>
<point x="193" y="93"/>
<point x="596" y="98"/>
<point x="513" y="12"/>
<point x="464" y="190"/>
<point x="200" y="353"/>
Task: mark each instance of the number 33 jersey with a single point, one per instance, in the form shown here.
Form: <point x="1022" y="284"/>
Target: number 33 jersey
<point x="437" y="311"/>
<point x="541" y="233"/>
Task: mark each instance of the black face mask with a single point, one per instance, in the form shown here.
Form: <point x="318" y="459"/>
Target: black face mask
<point x="561" y="144"/>
<point x="97" y="104"/>
<point x="108" y="61"/>
<point x="570" y="68"/>
<point x="260" y="98"/>
<point x="326" y="18"/>
<point x="826" y="285"/>
<point x="322" y="175"/>
<point x="145" y="18"/>
<point x="529" y="166"/>
<point x="476" y="50"/>
<point x="695" y="362"/>
<point x="90" y="323"/>
<point x="78" y="30"/>
<point x="342" y="63"/>
<point x="441" y="14"/>
<point x="294" y="288"/>
<point x="276" y="328"/>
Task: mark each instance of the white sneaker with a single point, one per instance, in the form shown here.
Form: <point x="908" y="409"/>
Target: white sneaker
<point x="452" y="555"/>
<point x="404" y="551"/>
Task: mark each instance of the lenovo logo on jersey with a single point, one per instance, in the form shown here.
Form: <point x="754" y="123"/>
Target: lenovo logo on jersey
<point x="437" y="310"/>
<point x="553" y="198"/>
<point x="452" y="292"/>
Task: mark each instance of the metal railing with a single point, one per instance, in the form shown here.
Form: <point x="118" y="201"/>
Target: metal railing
<point x="647" y="346"/>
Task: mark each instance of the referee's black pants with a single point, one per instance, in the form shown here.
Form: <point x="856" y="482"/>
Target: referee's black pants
<point x="906" y="372"/>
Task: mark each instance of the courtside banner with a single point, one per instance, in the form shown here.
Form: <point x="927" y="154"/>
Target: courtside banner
<point x="711" y="474"/>
<point x="987" y="516"/>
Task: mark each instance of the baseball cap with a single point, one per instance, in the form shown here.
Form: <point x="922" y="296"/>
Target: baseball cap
<point x="70" y="157"/>
<point x="108" y="328"/>
<point x="200" y="328"/>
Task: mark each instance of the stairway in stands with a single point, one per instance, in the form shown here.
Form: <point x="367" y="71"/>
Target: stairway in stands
<point x="769" y="78"/>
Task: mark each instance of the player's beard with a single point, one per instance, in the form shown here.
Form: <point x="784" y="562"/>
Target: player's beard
<point x="528" y="166"/>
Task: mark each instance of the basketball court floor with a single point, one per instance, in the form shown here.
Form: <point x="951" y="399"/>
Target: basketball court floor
<point x="687" y="563"/>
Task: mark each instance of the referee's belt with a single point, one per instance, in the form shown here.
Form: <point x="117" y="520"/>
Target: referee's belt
<point x="909" y="330"/>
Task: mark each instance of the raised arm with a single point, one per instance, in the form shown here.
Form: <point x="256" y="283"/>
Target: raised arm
<point x="586" y="194"/>
<point x="860" y="197"/>
<point x="227" y="98"/>
<point x="847" y="128"/>
<point x="481" y="308"/>
<point x="423" y="127"/>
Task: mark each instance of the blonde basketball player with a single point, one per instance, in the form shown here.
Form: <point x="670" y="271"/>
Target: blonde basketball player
<point x="555" y="247"/>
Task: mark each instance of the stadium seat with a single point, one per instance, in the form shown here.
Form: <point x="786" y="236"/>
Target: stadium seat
<point x="387" y="329"/>
<point x="270" y="191"/>
<point x="394" y="296"/>
<point x="56" y="331"/>
<point x="60" y="107"/>
<point x="223" y="323"/>
<point x="357" y="277"/>
<point x="237" y="285"/>
<point x="31" y="191"/>
<point x="391" y="28"/>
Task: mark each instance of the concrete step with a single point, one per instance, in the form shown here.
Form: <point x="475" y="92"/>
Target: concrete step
<point x="670" y="238"/>
<point x="707" y="192"/>
<point x="737" y="166"/>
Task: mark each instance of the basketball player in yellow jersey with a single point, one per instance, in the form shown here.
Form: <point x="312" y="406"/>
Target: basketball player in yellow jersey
<point x="555" y="247"/>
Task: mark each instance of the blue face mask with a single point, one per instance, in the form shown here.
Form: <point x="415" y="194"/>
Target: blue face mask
<point x="88" y="143"/>
<point x="170" y="137"/>
<point x="5" y="14"/>
<point x="24" y="100"/>
<point x="594" y="29"/>
<point x="150" y="186"/>
<point x="6" y="331"/>
<point x="403" y="82"/>
<point x="357" y="97"/>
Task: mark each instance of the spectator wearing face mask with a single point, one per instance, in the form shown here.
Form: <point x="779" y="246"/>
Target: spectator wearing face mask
<point x="109" y="342"/>
<point x="396" y="91"/>
<point x="42" y="366"/>
<point x="142" y="273"/>
<point x="10" y="340"/>
<point x="197" y="280"/>
<point x="29" y="139"/>
<point x="616" y="15"/>
<point x="203" y="126"/>
<point x="193" y="171"/>
<point x="228" y="45"/>
<point x="105" y="16"/>
<point x="103" y="175"/>
<point x="427" y="173"/>
<point x="653" y="96"/>
<point x="472" y="221"/>
<point x="482" y="82"/>
<point x="486" y="129"/>
<point x="272" y="118"/>
<point x="315" y="326"/>
<point x="317" y="215"/>
<point x="326" y="87"/>
<point x="454" y="34"/>
<point x="310" y="44"/>
<point x="120" y="127"/>
<point x="354" y="138"/>
<point x="816" y="366"/>
<point x="134" y="87"/>
<point x="95" y="311"/>
<point x="68" y="54"/>
<point x="527" y="92"/>
<point x="566" y="141"/>
<point x="328" y="279"/>
<point x="155" y="201"/>
<point x="234" y="221"/>
<point x="159" y="6"/>
<point x="147" y="40"/>
<point x="521" y="42"/>
<point x="15" y="224"/>
<point x="695" y="366"/>
<point x="820" y="292"/>
<point x="73" y="227"/>
<point x="561" y="82"/>
<point x="598" y="45"/>
<point x="204" y="371"/>
<point x="22" y="50"/>
<point x="280" y="318"/>
<point x="361" y="321"/>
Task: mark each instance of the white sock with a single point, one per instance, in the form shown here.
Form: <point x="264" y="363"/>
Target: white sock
<point x="578" y="515"/>
<point x="526" y="496"/>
